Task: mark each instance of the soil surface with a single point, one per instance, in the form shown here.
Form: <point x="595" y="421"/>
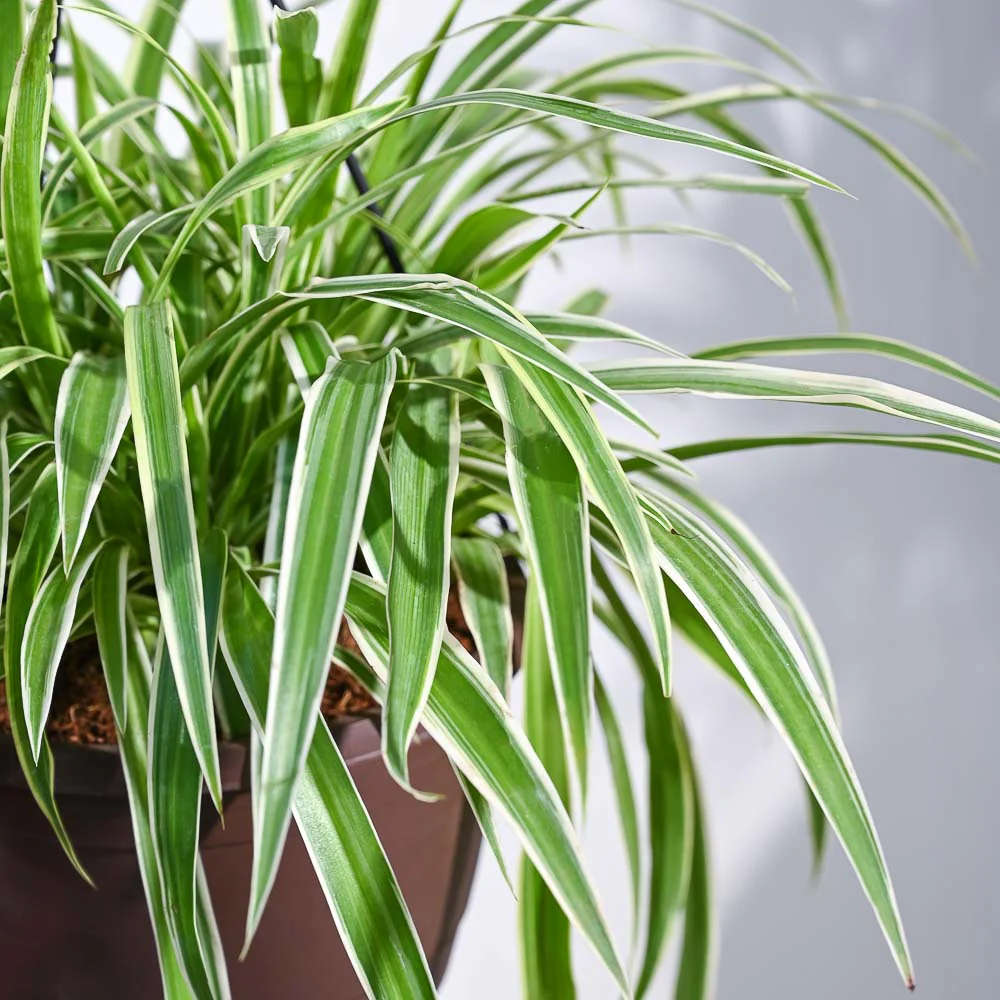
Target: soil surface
<point x="81" y="710"/>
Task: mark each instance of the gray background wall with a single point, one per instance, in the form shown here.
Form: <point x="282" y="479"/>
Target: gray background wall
<point x="895" y="552"/>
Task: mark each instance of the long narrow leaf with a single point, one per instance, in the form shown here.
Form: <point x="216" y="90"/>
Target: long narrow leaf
<point x="110" y="597"/>
<point x="20" y="182"/>
<point x="175" y="784"/>
<point x="37" y="545"/>
<point x="485" y="598"/>
<point x="624" y="792"/>
<point x="950" y="444"/>
<point x="92" y="411"/>
<point x="334" y="462"/>
<point x="734" y="379"/>
<point x="158" y="423"/>
<point x="696" y="976"/>
<point x="544" y="927"/>
<point x="266" y="163"/>
<point x="846" y="343"/>
<point x="469" y="719"/>
<point x="602" y="473"/>
<point x="762" y="647"/>
<point x="423" y="475"/>
<point x="352" y="868"/>
<point x="133" y="745"/>
<point x="46" y="633"/>
<point x="552" y="512"/>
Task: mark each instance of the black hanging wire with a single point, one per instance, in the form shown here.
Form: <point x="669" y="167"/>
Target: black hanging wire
<point x="386" y="242"/>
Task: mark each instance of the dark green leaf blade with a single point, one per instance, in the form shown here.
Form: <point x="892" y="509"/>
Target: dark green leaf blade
<point x="546" y="958"/>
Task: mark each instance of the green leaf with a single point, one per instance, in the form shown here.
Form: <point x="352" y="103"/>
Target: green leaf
<point x="624" y="793"/>
<point x="252" y="80"/>
<point x="423" y="469"/>
<point x="760" y="561"/>
<point x="5" y="465"/>
<point x="35" y="549"/>
<point x="161" y="455"/>
<point x="544" y="927"/>
<point x="133" y="745"/>
<point x="762" y="647"/>
<point x="348" y="62"/>
<point x="175" y="820"/>
<point x="119" y="114"/>
<point x="334" y="461"/>
<point x="567" y="326"/>
<point x="12" y="18"/>
<point x="267" y="162"/>
<point x="484" y="595"/>
<point x="301" y="73"/>
<point x="343" y="846"/>
<point x="602" y="474"/>
<point x="463" y="305"/>
<point x="740" y="27"/>
<point x="376" y="528"/>
<point x="699" y="233"/>
<point x="733" y="379"/>
<point x="617" y="121"/>
<point x="20" y="176"/>
<point x="695" y="978"/>
<point x="552" y="513"/>
<point x="948" y="443"/>
<point x="110" y="593"/>
<point x="483" y="812"/>
<point x="671" y="829"/>
<point x="469" y="720"/>
<point x="851" y="342"/>
<point x="46" y="633"/>
<point x="92" y="412"/>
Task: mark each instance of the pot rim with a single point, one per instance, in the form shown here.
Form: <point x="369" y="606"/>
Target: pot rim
<point x="95" y="770"/>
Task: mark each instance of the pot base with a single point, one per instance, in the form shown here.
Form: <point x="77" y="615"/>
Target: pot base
<point x="62" y="940"/>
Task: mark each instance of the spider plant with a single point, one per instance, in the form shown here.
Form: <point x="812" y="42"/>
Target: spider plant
<point x="325" y="356"/>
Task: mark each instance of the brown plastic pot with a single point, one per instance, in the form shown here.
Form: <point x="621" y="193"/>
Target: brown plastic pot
<point x="62" y="940"/>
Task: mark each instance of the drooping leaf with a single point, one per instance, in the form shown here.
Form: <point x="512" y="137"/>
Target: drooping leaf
<point x="947" y="443"/>
<point x="546" y="960"/>
<point x="761" y="645"/>
<point x="552" y="512"/>
<point x="468" y="718"/>
<point x="863" y="343"/>
<point x="158" y="424"/>
<point x="35" y="549"/>
<point x="696" y="976"/>
<point x="92" y="411"/>
<point x="602" y="473"/>
<point x="175" y="784"/>
<point x="46" y="633"/>
<point x="484" y="594"/>
<point x="423" y="469"/>
<point x="109" y="591"/>
<point x="624" y="792"/>
<point x="334" y="461"/>
<point x="267" y="162"/>
<point x="355" y="875"/>
<point x="735" y="379"/>
<point x="134" y="748"/>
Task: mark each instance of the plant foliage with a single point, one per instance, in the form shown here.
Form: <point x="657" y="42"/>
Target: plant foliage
<point x="325" y="357"/>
